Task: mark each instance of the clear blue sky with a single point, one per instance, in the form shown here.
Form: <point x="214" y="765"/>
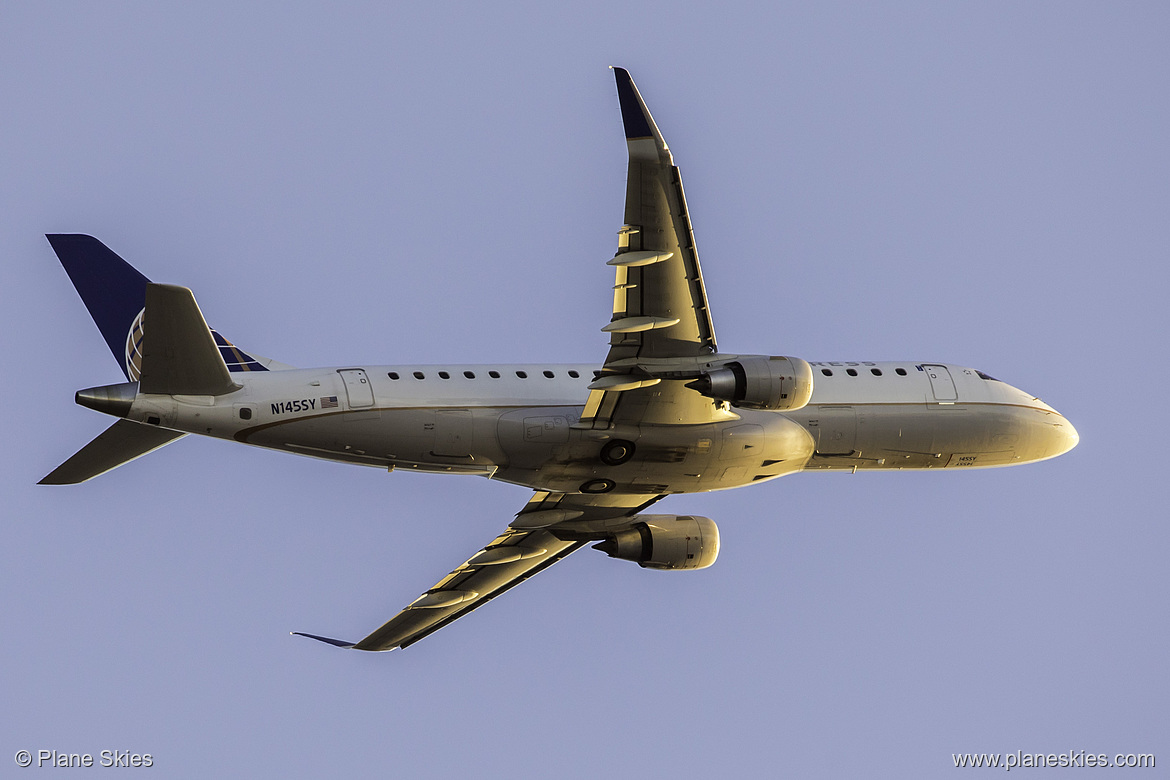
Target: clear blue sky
<point x="979" y="183"/>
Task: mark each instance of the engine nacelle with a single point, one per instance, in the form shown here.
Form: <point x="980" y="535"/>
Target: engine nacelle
<point x="759" y="382"/>
<point x="666" y="542"/>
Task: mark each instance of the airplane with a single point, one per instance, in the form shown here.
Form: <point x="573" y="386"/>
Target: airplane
<point x="666" y="412"/>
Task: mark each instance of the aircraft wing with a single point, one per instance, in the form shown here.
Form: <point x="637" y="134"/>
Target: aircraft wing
<point x="661" y="321"/>
<point x="661" y="325"/>
<point x="660" y="305"/>
<point x="538" y="537"/>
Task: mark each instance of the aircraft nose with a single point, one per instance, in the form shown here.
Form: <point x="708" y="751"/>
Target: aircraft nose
<point x="1053" y="435"/>
<point x="1062" y="437"/>
<point x="1045" y="432"/>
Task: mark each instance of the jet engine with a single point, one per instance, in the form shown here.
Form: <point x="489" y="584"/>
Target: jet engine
<point x="673" y="542"/>
<point x="759" y="382"/>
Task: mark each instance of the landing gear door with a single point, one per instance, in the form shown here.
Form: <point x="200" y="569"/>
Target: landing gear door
<point x="941" y="383"/>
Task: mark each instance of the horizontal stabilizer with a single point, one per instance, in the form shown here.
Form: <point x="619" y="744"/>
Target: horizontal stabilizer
<point x="335" y="642"/>
<point x="179" y="355"/>
<point x="121" y="443"/>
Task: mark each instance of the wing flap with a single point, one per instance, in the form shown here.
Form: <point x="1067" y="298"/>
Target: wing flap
<point x="471" y="585"/>
<point x="511" y="558"/>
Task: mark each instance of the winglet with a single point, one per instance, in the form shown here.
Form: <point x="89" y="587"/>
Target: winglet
<point x="335" y="642"/>
<point x="635" y="116"/>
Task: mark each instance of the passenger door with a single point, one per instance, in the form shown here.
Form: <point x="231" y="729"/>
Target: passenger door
<point x="941" y="383"/>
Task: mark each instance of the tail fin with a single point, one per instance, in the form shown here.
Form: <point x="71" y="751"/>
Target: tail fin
<point x="113" y="291"/>
<point x="115" y="294"/>
<point x="179" y="356"/>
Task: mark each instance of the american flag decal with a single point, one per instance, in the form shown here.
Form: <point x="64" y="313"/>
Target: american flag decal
<point x="329" y="403"/>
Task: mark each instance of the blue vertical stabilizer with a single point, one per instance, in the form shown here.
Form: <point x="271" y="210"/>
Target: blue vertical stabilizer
<point x="112" y="289"/>
<point x="115" y="294"/>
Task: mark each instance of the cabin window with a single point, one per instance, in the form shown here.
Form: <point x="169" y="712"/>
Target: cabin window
<point x="419" y="375"/>
<point x="827" y="371"/>
<point x="444" y="375"/>
<point x="549" y="374"/>
<point x="393" y="375"/>
<point x="573" y="374"/>
<point x="245" y="413"/>
<point x="494" y="374"/>
<point x="900" y="371"/>
<point x="469" y="374"/>
<point x="522" y="374"/>
<point x="875" y="371"/>
<point x="851" y="371"/>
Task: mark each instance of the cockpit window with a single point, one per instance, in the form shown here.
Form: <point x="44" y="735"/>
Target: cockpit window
<point x="986" y="376"/>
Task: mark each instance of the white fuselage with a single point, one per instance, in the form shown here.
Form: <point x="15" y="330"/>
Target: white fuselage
<point x="516" y="423"/>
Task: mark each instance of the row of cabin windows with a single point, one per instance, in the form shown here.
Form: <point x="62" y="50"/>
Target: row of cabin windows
<point x="874" y="371"/>
<point x="493" y="374"/>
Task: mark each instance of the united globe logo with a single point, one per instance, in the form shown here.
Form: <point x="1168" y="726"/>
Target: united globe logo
<point x="134" y="348"/>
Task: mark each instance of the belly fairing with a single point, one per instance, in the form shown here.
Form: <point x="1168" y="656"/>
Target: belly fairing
<point x="543" y="454"/>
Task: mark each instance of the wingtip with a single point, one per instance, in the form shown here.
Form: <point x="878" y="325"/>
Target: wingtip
<point x="635" y="116"/>
<point x="335" y="642"/>
<point x="624" y="80"/>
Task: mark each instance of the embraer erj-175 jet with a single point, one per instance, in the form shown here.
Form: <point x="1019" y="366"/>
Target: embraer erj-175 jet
<point x="667" y="412"/>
